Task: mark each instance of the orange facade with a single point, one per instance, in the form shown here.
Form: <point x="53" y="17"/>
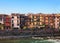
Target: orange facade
<point x="38" y="20"/>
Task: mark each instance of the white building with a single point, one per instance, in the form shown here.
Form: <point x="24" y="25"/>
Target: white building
<point x="15" y="21"/>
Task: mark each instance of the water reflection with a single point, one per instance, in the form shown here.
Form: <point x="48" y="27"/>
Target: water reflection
<point x="30" y="41"/>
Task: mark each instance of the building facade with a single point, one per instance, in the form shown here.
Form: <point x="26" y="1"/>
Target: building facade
<point x="49" y="20"/>
<point x="36" y="20"/>
<point x="7" y="22"/>
<point x="57" y="21"/>
<point x="21" y="21"/>
<point x="1" y="22"/>
<point x="15" y="21"/>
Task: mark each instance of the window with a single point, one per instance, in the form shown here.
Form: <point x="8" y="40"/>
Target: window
<point x="41" y="17"/>
<point x="31" y="16"/>
<point x="34" y="16"/>
<point x="31" y="23"/>
<point x="38" y="20"/>
<point x="51" y="23"/>
<point x="46" y="17"/>
<point x="34" y="19"/>
<point x="35" y="23"/>
<point x="57" y="17"/>
<point x="0" y="19"/>
<point x="18" y="16"/>
<point x="12" y="17"/>
<point x="0" y="23"/>
<point x="17" y="24"/>
<point x="12" y="21"/>
<point x="40" y="23"/>
<point x="59" y="23"/>
<point x="46" y="21"/>
<point x="12" y="25"/>
<point x="17" y="21"/>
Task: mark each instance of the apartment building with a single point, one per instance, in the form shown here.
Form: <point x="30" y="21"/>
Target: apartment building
<point x="57" y="21"/>
<point x="1" y="22"/>
<point x="7" y="22"/>
<point x="19" y="21"/>
<point x="49" y="20"/>
<point x="22" y="21"/>
<point x="27" y="21"/>
<point x="36" y="20"/>
<point x="15" y="21"/>
<point x="42" y="24"/>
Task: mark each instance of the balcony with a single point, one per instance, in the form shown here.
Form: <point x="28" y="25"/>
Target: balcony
<point x="7" y="24"/>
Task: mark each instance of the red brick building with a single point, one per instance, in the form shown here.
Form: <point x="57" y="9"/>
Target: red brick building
<point x="7" y="22"/>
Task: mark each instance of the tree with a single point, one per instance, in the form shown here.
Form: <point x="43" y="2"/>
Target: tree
<point x="24" y="27"/>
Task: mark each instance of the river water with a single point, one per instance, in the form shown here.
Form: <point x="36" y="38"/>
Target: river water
<point x="30" y="41"/>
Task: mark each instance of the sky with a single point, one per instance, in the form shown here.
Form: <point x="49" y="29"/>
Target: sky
<point x="29" y="6"/>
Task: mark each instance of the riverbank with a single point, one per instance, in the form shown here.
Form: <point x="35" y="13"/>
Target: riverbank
<point x="27" y="37"/>
<point x="46" y="37"/>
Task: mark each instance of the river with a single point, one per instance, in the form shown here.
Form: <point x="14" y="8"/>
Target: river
<point x="30" y="41"/>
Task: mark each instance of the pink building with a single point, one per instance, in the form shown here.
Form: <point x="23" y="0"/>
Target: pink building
<point x="57" y="21"/>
